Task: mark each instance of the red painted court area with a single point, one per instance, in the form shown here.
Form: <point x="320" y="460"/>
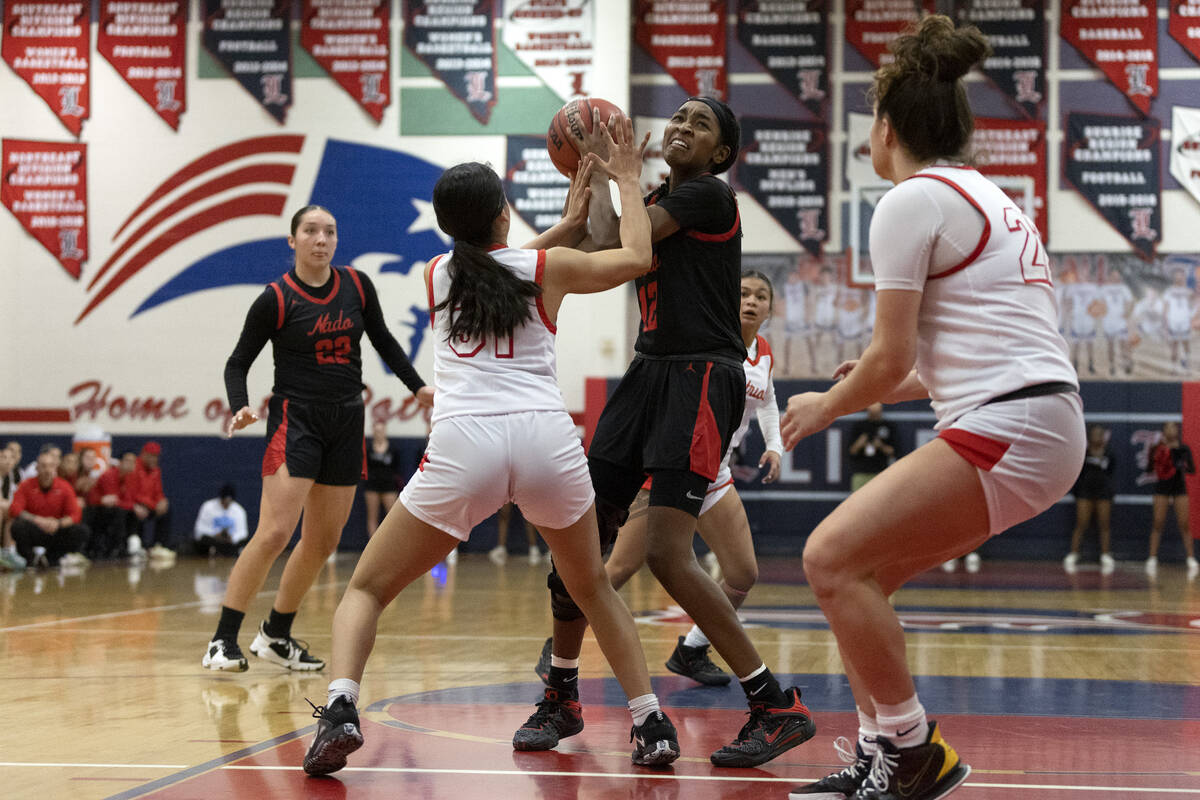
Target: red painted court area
<point x="463" y="752"/>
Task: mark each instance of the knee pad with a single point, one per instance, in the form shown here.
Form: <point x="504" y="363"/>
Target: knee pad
<point x="561" y="605"/>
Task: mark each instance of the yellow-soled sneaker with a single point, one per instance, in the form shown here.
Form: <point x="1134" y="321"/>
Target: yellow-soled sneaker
<point x="926" y="772"/>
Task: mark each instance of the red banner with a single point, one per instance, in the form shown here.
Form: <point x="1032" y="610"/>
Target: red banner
<point x="1184" y="25"/>
<point x="871" y="25"/>
<point x="689" y="44"/>
<point x="1121" y="38"/>
<point x="1014" y="153"/>
<point x="349" y="39"/>
<point x="47" y="44"/>
<point x="144" y="41"/>
<point x="44" y="185"/>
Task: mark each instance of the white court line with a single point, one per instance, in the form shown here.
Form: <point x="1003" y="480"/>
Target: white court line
<point x="91" y="766"/>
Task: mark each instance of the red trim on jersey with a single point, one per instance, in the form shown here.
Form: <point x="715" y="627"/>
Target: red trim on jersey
<point x="276" y="455"/>
<point x="983" y="237"/>
<point x="279" y="298"/>
<point x="353" y="273"/>
<point x="979" y="450"/>
<point x="491" y="248"/>
<point x="649" y="482"/>
<point x="704" y="456"/>
<point x="424" y="461"/>
<point x="763" y="349"/>
<point x="429" y="284"/>
<point x="719" y="487"/>
<point x="364" y="449"/>
<point x="337" y="283"/>
<point x="719" y="237"/>
<point x="538" y="274"/>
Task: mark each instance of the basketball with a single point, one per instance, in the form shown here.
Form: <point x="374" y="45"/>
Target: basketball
<point x="1097" y="308"/>
<point x="569" y="125"/>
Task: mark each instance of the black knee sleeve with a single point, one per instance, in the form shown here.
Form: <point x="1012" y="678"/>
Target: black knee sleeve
<point x="610" y="518"/>
<point x="561" y="605"/>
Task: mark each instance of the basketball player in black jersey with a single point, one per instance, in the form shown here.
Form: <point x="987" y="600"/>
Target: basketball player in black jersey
<point x="672" y="417"/>
<point x="314" y="317"/>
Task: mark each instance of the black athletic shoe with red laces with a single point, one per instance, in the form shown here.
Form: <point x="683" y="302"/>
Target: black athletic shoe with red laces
<point x="655" y="741"/>
<point x="557" y="717"/>
<point x="771" y="730"/>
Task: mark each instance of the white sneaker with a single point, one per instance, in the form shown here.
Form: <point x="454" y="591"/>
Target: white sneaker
<point x="286" y="652"/>
<point x="535" y="554"/>
<point x="226" y="656"/>
<point x="1193" y="567"/>
<point x="950" y="565"/>
<point x="74" y="560"/>
<point x="134" y="545"/>
<point x="972" y="562"/>
<point x="1107" y="564"/>
<point x="1069" y="563"/>
<point x="1152" y="566"/>
<point x="497" y="555"/>
<point x="160" y="553"/>
<point x="39" y="557"/>
<point x="452" y="556"/>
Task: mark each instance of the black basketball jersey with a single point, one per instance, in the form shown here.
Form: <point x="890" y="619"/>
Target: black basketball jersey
<point x="689" y="299"/>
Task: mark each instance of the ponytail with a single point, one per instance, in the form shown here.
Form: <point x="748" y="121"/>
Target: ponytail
<point x="485" y="297"/>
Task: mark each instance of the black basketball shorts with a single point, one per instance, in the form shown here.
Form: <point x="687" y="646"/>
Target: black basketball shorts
<point x="322" y="441"/>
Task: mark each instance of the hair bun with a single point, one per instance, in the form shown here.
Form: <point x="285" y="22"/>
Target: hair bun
<point x="938" y="51"/>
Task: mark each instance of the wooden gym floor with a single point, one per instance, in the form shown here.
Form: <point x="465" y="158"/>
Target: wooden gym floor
<point x="1050" y="686"/>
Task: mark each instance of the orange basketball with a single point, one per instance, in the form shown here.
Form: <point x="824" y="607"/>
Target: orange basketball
<point x="568" y="127"/>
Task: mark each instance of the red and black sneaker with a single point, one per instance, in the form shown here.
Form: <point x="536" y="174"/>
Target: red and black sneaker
<point x="557" y="717"/>
<point x="770" y="731"/>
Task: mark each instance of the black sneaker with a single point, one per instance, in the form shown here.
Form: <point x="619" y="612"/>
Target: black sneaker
<point x="224" y="654"/>
<point x="694" y="663"/>
<point x="542" y="668"/>
<point x="655" y="741"/>
<point x="557" y="717"/>
<point x="926" y="772"/>
<point x="769" y="732"/>
<point x="338" y="736"/>
<point x="839" y="785"/>
<point x="285" y="651"/>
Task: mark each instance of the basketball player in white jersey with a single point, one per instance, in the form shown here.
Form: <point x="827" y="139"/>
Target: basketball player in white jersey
<point x="493" y="310"/>
<point x="1118" y="305"/>
<point x="1179" y="307"/>
<point x="1082" y="296"/>
<point x="797" y="322"/>
<point x="965" y="297"/>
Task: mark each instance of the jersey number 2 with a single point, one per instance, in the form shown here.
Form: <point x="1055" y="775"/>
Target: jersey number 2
<point x="1035" y="265"/>
<point x="333" y="351"/>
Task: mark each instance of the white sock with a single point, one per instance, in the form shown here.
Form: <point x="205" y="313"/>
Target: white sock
<point x="868" y="729"/>
<point x="696" y="638"/>
<point x="642" y="707"/>
<point x="344" y="687"/>
<point x="904" y="724"/>
<point x="761" y="669"/>
<point x="564" y="663"/>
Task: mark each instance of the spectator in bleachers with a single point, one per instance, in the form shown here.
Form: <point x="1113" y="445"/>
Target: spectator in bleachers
<point x="30" y="469"/>
<point x="46" y="517"/>
<point x="9" y="558"/>
<point x="221" y="524"/>
<point x="109" y="511"/>
<point x="150" y="506"/>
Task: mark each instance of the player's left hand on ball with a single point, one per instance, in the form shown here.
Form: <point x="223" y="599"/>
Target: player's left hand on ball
<point x="771" y="460"/>
<point x="805" y="415"/>
<point x="424" y="396"/>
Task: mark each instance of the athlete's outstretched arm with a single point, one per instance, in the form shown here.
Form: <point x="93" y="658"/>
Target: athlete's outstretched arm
<point x="260" y="324"/>
<point x="386" y="345"/>
<point x="570" y="230"/>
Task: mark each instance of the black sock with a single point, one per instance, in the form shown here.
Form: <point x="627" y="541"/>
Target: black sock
<point x="229" y="624"/>
<point x="564" y="680"/>
<point x="763" y="688"/>
<point x="279" y="626"/>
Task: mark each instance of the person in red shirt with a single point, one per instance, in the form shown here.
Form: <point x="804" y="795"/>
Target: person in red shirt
<point x="150" y="506"/>
<point x="46" y="516"/>
<point x="109" y="509"/>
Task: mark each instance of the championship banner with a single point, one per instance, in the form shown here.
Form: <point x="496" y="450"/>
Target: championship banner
<point x="1114" y="163"/>
<point x="871" y="25"/>
<point x="1121" y="38"/>
<point x="1183" y="23"/>
<point x="790" y="40"/>
<point x="350" y="40"/>
<point x="48" y="45"/>
<point x="45" y="188"/>
<point x="1185" y="148"/>
<point x="1017" y="33"/>
<point x="145" y="44"/>
<point x="251" y="39"/>
<point x="556" y="40"/>
<point x="785" y="167"/>
<point x="536" y="190"/>
<point x="1013" y="153"/>
<point x="459" y="48"/>
<point x="687" y="40"/>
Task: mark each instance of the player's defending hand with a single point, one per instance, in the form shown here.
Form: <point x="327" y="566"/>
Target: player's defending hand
<point x="579" y="195"/>
<point x="805" y="415"/>
<point x="424" y="396"/>
<point x="593" y="141"/>
<point x="624" y="155"/>
<point x="241" y="419"/>
<point x="770" y="459"/>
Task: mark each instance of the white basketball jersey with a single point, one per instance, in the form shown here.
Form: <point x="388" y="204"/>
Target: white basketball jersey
<point x="988" y="325"/>
<point x="1178" y="306"/>
<point x="1118" y="299"/>
<point x="494" y="376"/>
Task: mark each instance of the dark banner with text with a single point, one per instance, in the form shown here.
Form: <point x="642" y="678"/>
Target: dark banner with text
<point x="45" y="187"/>
<point x="350" y="40"/>
<point x="785" y="167"/>
<point x="534" y="186"/>
<point x="871" y="25"/>
<point x="1017" y="33"/>
<point x="145" y="44"/>
<point x="458" y="45"/>
<point x="1114" y="163"/>
<point x="48" y="45"/>
<point x="791" y="41"/>
<point x="1121" y="38"/>
<point x="251" y="39"/>
<point x="1013" y="153"/>
<point x="687" y="40"/>
<point x="1183" y="23"/>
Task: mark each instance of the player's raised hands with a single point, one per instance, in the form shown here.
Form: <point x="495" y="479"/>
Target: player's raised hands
<point x="575" y="210"/>
<point x="624" y="155"/>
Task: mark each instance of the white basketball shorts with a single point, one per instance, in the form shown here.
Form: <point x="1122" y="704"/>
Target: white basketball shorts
<point x="475" y="464"/>
<point x="718" y="488"/>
